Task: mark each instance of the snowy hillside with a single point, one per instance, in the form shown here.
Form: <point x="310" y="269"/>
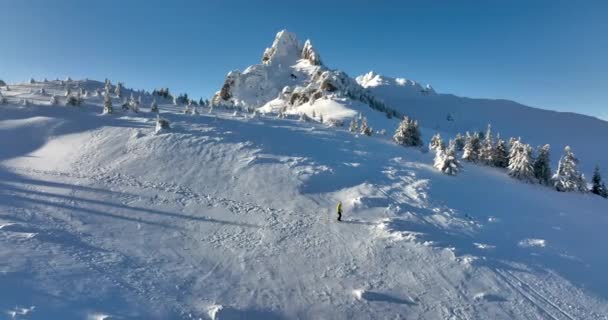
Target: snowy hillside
<point x="231" y="215"/>
<point x="449" y="114"/>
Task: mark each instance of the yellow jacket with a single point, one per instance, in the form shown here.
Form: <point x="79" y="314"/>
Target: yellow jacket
<point x="339" y="208"/>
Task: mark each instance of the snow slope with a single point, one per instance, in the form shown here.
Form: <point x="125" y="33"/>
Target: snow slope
<point x="232" y="217"/>
<point x="511" y="119"/>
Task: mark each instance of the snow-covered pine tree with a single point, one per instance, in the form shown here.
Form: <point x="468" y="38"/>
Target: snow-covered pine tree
<point x="68" y="92"/>
<point x="408" y="133"/>
<point x="567" y="177"/>
<point x="107" y="103"/>
<point x="54" y="100"/>
<point x="486" y="153"/>
<point x="365" y="128"/>
<point x="354" y="126"/>
<point x="471" y="148"/>
<point x="459" y="142"/>
<point x="154" y="106"/>
<point x="598" y="187"/>
<point x="445" y="159"/>
<point x="542" y="165"/>
<point x="118" y="90"/>
<point x="501" y="155"/>
<point x="520" y="162"/>
<point x="436" y="142"/>
<point x="107" y="85"/>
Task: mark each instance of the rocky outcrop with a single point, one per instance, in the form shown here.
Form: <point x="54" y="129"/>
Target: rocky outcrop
<point x="309" y="53"/>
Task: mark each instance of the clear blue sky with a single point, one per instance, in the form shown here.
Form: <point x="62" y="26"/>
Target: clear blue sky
<point x="549" y="54"/>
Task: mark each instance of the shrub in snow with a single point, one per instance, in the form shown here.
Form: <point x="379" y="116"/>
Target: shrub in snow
<point x="365" y="128"/>
<point x="598" y="187"/>
<point x="353" y="126"/>
<point x="520" y="162"/>
<point x="472" y="147"/>
<point x="125" y="105"/>
<point x="54" y="100"/>
<point x="445" y="159"/>
<point x="73" y="100"/>
<point x="107" y="103"/>
<point x="162" y="124"/>
<point x="408" y="133"/>
<point x="334" y="123"/>
<point x="567" y="177"/>
<point x="542" y="165"/>
<point x="304" y="117"/>
<point x="154" y="106"/>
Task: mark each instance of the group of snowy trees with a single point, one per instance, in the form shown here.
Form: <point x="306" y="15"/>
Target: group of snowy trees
<point x="362" y="128"/>
<point x="517" y="157"/>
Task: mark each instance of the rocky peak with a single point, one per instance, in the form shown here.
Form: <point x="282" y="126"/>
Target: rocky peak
<point x="284" y="49"/>
<point x="309" y="53"/>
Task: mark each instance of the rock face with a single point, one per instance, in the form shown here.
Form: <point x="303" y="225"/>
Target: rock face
<point x="290" y="75"/>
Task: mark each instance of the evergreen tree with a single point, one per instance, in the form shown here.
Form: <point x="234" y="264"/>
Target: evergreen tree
<point x="354" y="126"/>
<point x="154" y="106"/>
<point x="162" y="124"/>
<point x="107" y="85"/>
<point x="320" y="117"/>
<point x="471" y="148"/>
<point x="501" y="155"/>
<point x="459" y="142"/>
<point x="520" y="162"/>
<point x="567" y="177"/>
<point x="436" y="142"/>
<point x="408" y="133"/>
<point x="486" y="153"/>
<point x="107" y="103"/>
<point x="598" y="187"/>
<point x="445" y="159"/>
<point x="118" y="90"/>
<point x="365" y="128"/>
<point x="542" y="165"/>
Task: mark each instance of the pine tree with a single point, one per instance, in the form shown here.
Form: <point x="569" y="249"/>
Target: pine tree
<point x="542" y="165"/>
<point x="107" y="85"/>
<point x="486" y="153"/>
<point x="436" y="142"/>
<point x="314" y="114"/>
<point x="520" y="162"/>
<point x="320" y="117"/>
<point x="459" y="142"/>
<point x="118" y="90"/>
<point x="445" y="159"/>
<point x="408" y="133"/>
<point x="501" y="155"/>
<point x="598" y="187"/>
<point x="365" y="128"/>
<point x="354" y="126"/>
<point x="154" y="106"/>
<point x="567" y="177"/>
<point x="471" y="148"/>
<point x="107" y="103"/>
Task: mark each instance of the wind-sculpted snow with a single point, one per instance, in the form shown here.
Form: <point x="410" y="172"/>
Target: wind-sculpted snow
<point x="225" y="216"/>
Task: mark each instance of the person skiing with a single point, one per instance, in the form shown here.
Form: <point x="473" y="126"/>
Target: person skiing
<point x="339" y="209"/>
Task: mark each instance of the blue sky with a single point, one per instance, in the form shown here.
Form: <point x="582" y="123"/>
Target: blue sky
<point x="549" y="54"/>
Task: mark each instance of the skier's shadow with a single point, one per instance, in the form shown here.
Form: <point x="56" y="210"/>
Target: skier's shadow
<point x="366" y="223"/>
<point x="382" y="297"/>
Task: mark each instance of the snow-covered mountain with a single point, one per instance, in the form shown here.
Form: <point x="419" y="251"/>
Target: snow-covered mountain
<point x="291" y="77"/>
<point x="231" y="215"/>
